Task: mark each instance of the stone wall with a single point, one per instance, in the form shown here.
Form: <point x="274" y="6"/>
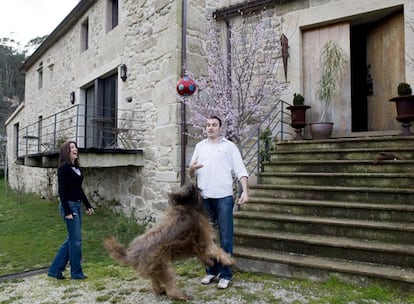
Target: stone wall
<point x="148" y="41"/>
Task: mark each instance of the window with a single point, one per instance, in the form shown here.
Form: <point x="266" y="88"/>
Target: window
<point x="89" y="116"/>
<point x="101" y="111"/>
<point x="16" y="139"/>
<point x="50" y="72"/>
<point x="85" y="35"/>
<point x="112" y="14"/>
<point x="40" y="75"/>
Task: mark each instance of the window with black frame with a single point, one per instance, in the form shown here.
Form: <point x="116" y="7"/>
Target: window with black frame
<point x="113" y="14"/>
<point x="101" y="112"/>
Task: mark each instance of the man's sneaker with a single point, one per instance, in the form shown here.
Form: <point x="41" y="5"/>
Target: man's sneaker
<point x="223" y="284"/>
<point x="208" y="279"/>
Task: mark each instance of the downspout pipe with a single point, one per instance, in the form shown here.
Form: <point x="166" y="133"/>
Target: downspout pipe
<point x="228" y="50"/>
<point x="183" y="72"/>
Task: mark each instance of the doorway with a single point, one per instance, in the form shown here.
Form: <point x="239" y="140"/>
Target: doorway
<point x="377" y="66"/>
<point x="374" y="45"/>
<point x="101" y="112"/>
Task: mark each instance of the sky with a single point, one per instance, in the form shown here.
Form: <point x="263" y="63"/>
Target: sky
<point x="24" y="20"/>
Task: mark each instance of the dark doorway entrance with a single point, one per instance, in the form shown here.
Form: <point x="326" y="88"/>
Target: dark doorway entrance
<point x="361" y="86"/>
<point x="377" y="66"/>
<point x="101" y="112"/>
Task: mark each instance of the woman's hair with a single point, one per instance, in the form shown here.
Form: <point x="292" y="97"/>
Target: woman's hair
<point x="64" y="154"/>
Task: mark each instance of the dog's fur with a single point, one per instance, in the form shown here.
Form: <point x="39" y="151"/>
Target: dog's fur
<point x="185" y="231"/>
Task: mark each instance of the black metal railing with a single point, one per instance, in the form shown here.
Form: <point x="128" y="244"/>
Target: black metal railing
<point x="91" y="127"/>
<point x="117" y="129"/>
<point x="255" y="147"/>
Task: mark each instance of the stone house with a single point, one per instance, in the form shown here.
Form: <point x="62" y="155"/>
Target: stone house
<point x="106" y="77"/>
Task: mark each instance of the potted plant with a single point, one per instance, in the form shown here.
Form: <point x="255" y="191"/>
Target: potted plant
<point x="298" y="115"/>
<point x="265" y="147"/>
<point x="404" y="89"/>
<point x="332" y="63"/>
<point x="404" y="103"/>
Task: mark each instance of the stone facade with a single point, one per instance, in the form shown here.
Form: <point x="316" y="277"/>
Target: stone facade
<point x="148" y="41"/>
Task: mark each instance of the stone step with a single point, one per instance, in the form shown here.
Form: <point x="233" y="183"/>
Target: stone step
<point x="339" y="154"/>
<point x="338" y="166"/>
<point x="323" y="207"/>
<point x="377" y="142"/>
<point x="354" y="210"/>
<point x="400" y="255"/>
<point x="392" y="232"/>
<point x="334" y="193"/>
<point x="381" y="180"/>
<point x="321" y="268"/>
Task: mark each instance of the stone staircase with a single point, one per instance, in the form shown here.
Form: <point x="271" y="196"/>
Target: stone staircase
<point x="322" y="207"/>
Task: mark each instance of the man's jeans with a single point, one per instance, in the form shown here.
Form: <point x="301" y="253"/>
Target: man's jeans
<point x="220" y="211"/>
<point x="71" y="249"/>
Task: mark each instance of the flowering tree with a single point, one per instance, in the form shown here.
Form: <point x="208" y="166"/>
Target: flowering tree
<point x="240" y="83"/>
<point x="410" y="23"/>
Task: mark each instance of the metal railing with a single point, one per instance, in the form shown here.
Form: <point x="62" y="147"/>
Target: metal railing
<point x="91" y="127"/>
<point x="274" y="123"/>
<point x="117" y="129"/>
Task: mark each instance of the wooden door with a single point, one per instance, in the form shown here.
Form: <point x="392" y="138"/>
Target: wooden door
<point x="313" y="41"/>
<point x="385" y="56"/>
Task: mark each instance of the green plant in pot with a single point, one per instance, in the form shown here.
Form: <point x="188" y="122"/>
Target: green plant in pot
<point x="298" y="99"/>
<point x="332" y="63"/>
<point x="404" y="89"/>
<point x="298" y="115"/>
<point x="404" y="103"/>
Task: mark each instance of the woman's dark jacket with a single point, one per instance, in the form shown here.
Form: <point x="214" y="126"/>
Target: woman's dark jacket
<point x="70" y="188"/>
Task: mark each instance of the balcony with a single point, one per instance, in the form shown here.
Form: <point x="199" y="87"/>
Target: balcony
<point x="106" y="137"/>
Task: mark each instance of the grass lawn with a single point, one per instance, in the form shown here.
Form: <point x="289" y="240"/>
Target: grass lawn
<point x="31" y="231"/>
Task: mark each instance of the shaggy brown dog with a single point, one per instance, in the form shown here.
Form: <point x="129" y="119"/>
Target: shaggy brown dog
<point x="185" y="231"/>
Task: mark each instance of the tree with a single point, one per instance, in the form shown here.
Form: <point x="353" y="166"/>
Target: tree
<point x="410" y="57"/>
<point x="11" y="79"/>
<point x="34" y="43"/>
<point x="240" y="83"/>
<point x="12" y="56"/>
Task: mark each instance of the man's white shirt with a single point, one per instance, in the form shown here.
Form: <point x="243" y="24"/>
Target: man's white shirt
<point x="220" y="161"/>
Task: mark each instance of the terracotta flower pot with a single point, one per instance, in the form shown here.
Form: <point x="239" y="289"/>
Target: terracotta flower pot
<point x="321" y="130"/>
<point x="298" y="119"/>
<point x="405" y="111"/>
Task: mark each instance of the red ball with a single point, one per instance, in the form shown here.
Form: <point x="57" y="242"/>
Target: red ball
<point x="186" y="86"/>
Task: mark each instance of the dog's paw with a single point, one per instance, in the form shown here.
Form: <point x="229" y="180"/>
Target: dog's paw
<point x="159" y="291"/>
<point x="178" y="295"/>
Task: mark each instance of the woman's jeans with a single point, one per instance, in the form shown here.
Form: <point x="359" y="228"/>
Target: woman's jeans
<point x="220" y="211"/>
<point x="71" y="249"/>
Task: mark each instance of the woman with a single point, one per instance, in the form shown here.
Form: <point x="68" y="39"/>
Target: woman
<point x="71" y="195"/>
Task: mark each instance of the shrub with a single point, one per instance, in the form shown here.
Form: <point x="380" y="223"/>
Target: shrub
<point x="404" y="89"/>
<point x="298" y="100"/>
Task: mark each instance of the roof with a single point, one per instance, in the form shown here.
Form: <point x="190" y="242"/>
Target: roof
<point x="245" y="6"/>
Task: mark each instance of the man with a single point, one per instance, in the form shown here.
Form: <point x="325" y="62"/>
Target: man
<point x="214" y="161"/>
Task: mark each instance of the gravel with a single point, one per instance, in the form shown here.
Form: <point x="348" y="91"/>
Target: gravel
<point x="42" y="289"/>
<point x="114" y="284"/>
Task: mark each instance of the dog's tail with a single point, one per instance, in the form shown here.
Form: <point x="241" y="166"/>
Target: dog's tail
<point x="116" y="250"/>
